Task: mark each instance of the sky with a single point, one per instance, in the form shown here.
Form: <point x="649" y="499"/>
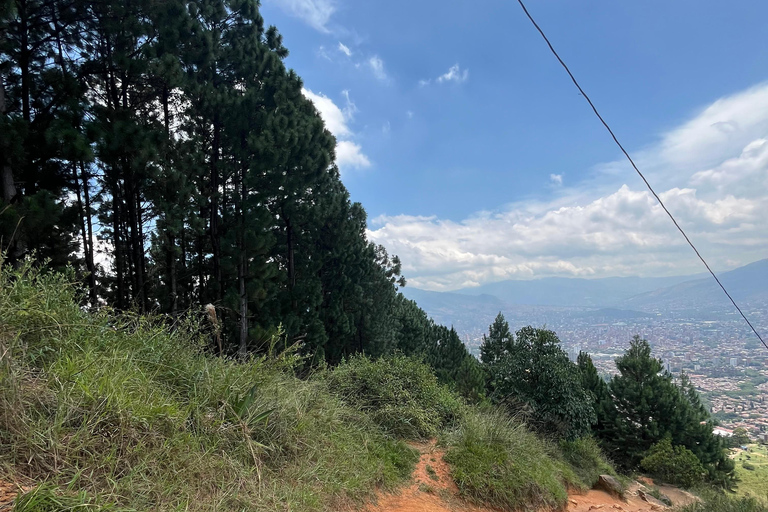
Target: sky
<point x="478" y="161"/>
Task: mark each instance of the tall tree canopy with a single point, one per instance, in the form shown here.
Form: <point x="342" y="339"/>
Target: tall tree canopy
<point x="165" y="150"/>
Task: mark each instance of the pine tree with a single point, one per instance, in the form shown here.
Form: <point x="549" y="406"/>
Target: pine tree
<point x="498" y="342"/>
<point x="649" y="407"/>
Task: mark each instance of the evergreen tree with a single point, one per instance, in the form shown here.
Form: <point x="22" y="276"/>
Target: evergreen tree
<point x="649" y="407"/>
<point x="605" y="413"/>
<point x="498" y="342"/>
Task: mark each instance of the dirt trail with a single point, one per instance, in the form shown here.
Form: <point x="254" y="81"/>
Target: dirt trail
<point x="433" y="490"/>
<point x="8" y="493"/>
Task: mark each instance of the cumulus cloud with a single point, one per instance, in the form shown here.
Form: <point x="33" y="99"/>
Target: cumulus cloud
<point x="349" y="155"/>
<point x="711" y="172"/>
<point x="315" y="13"/>
<point x="335" y="118"/>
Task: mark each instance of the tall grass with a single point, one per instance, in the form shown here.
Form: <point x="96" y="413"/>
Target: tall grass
<point x="722" y="502"/>
<point x="114" y="411"/>
<point x="496" y="460"/>
<point x="136" y="414"/>
<point x="401" y="394"/>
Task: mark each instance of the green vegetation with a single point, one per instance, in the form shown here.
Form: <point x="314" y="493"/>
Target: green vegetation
<point x="646" y="406"/>
<point x="122" y="412"/>
<point x="495" y="460"/>
<point x="586" y="459"/>
<point x="721" y="502"/>
<point x="752" y="482"/>
<point x="531" y="374"/>
<point x="673" y="464"/>
<point x="136" y="414"/>
<point x="400" y="394"/>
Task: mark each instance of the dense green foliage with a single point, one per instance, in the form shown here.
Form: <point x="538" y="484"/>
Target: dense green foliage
<point x="172" y="136"/>
<point x="673" y="464"/>
<point x="648" y="406"/>
<point x="531" y="374"/>
<point x="399" y="393"/>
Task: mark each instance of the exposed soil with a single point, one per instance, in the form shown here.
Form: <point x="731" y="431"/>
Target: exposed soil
<point x="433" y="490"/>
<point x="8" y="493"/>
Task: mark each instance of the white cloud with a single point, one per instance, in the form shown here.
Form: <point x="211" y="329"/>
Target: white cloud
<point x="315" y="13"/>
<point x="344" y="49"/>
<point x="454" y="74"/>
<point x="349" y="155"/>
<point x="377" y="67"/>
<point x="334" y="117"/>
<point x="711" y="172"/>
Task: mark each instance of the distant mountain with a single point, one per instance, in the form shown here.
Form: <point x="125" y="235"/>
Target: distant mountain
<point x="745" y="284"/>
<point x="563" y="291"/>
<point x="614" y="299"/>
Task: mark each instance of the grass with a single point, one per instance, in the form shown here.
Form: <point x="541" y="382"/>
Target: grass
<point x="721" y="502"/>
<point x="752" y="472"/>
<point x="401" y="395"/>
<point x="587" y="460"/>
<point x="137" y="415"/>
<point x="497" y="461"/>
<point x="117" y="412"/>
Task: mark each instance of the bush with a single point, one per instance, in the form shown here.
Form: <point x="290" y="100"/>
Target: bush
<point x="497" y="461"/>
<point x="673" y="464"/>
<point x="399" y="393"/>
<point x="586" y="459"/>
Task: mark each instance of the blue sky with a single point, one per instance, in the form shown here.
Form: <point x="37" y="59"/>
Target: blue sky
<point x="477" y="160"/>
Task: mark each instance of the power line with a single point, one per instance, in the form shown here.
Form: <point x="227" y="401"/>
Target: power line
<point x="626" y="154"/>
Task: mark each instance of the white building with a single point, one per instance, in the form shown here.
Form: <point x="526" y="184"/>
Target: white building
<point x="722" y="432"/>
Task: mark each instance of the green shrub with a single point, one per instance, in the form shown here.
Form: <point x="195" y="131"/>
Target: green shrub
<point x="586" y="459"/>
<point x="496" y="460"/>
<point x="399" y="393"/>
<point x="748" y="466"/>
<point x="673" y="464"/>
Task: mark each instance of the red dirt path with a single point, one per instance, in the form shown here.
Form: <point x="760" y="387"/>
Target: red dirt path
<point x="433" y="490"/>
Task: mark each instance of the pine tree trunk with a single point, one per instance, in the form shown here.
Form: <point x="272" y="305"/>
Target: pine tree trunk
<point x="87" y="240"/>
<point x="242" y="270"/>
<point x="214" y="227"/>
<point x="89" y="255"/>
<point x="118" y="249"/>
<point x="7" y="186"/>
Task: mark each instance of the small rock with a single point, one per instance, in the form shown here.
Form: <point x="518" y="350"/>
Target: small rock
<point x="596" y="507"/>
<point x="610" y="485"/>
<point x="574" y="502"/>
<point x="650" y="499"/>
